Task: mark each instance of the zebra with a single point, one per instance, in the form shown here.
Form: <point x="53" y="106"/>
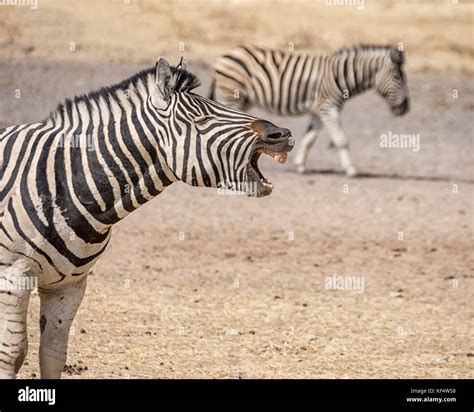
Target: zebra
<point x="65" y="181"/>
<point x="289" y="84"/>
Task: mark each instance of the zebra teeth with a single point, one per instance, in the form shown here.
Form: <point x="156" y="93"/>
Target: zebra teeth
<point x="280" y="157"/>
<point x="266" y="183"/>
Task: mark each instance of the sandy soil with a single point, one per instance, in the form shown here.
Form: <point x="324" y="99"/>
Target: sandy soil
<point x="200" y="285"/>
<point x="436" y="34"/>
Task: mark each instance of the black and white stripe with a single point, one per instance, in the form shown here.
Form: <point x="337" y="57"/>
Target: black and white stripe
<point x="65" y="181"/>
<point x="288" y="84"/>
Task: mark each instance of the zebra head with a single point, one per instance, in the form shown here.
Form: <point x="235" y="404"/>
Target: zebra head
<point x="208" y="144"/>
<point x="390" y="82"/>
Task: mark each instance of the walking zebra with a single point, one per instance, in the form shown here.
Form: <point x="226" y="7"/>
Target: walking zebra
<point x="294" y="84"/>
<point x="65" y="181"/>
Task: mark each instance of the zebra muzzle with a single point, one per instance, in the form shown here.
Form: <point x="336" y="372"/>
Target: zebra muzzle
<point x="274" y="142"/>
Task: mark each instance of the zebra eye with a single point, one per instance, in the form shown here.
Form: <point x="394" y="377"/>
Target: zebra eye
<point x="202" y="119"/>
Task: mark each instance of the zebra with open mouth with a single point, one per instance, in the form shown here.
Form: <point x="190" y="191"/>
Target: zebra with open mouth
<point x="65" y="181"/>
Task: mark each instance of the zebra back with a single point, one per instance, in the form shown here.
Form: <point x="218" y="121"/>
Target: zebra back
<point x="291" y="83"/>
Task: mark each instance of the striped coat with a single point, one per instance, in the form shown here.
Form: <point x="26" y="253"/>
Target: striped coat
<point x="289" y="84"/>
<point x="65" y="181"/>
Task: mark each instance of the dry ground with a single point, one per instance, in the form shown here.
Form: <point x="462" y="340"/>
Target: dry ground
<point x="243" y="293"/>
<point x="200" y="285"/>
<point x="437" y="34"/>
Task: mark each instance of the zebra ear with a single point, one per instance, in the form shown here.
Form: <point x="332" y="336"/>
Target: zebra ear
<point x="182" y="65"/>
<point x="397" y="56"/>
<point x="163" y="82"/>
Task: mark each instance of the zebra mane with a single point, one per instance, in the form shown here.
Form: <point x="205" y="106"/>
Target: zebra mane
<point x="184" y="81"/>
<point x="363" y="48"/>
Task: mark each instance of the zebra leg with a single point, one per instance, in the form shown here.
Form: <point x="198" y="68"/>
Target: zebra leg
<point x="307" y="143"/>
<point x="57" y="312"/>
<point x="13" y="316"/>
<point x="332" y="121"/>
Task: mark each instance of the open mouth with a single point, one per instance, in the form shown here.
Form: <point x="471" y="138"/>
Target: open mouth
<point x="263" y="186"/>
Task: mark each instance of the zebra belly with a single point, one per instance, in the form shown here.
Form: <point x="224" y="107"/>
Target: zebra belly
<point x="56" y="257"/>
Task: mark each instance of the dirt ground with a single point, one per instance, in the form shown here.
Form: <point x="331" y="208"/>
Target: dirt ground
<point x="197" y="285"/>
<point x="436" y="34"/>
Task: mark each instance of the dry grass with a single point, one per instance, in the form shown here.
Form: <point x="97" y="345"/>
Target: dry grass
<point x="238" y="298"/>
<point x="437" y="34"/>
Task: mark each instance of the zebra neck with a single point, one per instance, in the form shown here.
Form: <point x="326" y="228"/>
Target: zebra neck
<point x="355" y="74"/>
<point x="115" y="159"/>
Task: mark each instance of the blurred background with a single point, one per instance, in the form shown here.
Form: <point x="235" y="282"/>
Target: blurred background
<point x="437" y="34"/>
<point x="199" y="285"/>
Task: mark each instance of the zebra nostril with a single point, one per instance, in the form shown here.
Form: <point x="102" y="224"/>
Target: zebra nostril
<point x="269" y="131"/>
<point x="277" y="133"/>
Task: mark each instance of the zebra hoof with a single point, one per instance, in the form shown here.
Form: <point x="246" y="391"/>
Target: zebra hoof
<point x="300" y="169"/>
<point x="351" y="172"/>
